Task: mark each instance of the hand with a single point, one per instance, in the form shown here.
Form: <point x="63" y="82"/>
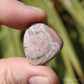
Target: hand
<point x="18" y="70"/>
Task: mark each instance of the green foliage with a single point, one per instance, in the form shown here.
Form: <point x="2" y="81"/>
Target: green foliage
<point x="69" y="24"/>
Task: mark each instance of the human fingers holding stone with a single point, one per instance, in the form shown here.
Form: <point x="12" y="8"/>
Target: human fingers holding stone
<point x="17" y="15"/>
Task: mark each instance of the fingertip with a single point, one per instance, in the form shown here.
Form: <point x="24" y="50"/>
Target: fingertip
<point x="51" y="75"/>
<point x="41" y="13"/>
<point x="45" y="72"/>
<point x="20" y="16"/>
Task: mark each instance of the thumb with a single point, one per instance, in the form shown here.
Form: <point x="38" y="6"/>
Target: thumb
<point x="17" y="15"/>
<point x="20" y="71"/>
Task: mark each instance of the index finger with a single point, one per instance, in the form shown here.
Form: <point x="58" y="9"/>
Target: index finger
<point x="17" y="15"/>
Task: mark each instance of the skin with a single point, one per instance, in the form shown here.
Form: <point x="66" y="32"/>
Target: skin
<point x="18" y="70"/>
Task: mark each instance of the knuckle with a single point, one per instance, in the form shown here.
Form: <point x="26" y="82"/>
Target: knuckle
<point x="3" y="77"/>
<point x="6" y="75"/>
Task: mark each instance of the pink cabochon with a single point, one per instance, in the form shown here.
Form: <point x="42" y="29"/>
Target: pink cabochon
<point x="41" y="44"/>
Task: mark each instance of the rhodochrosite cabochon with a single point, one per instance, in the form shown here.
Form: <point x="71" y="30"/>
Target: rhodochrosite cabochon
<point x="41" y="43"/>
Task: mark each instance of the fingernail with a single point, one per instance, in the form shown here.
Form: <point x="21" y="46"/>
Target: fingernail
<point x="38" y="10"/>
<point x="38" y="80"/>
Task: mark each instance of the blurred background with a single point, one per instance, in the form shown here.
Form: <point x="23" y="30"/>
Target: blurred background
<point x="66" y="17"/>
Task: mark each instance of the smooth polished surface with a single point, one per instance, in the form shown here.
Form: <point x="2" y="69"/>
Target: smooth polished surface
<point x="41" y="44"/>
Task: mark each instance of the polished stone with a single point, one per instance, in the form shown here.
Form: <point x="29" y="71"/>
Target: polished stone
<point x="41" y="44"/>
